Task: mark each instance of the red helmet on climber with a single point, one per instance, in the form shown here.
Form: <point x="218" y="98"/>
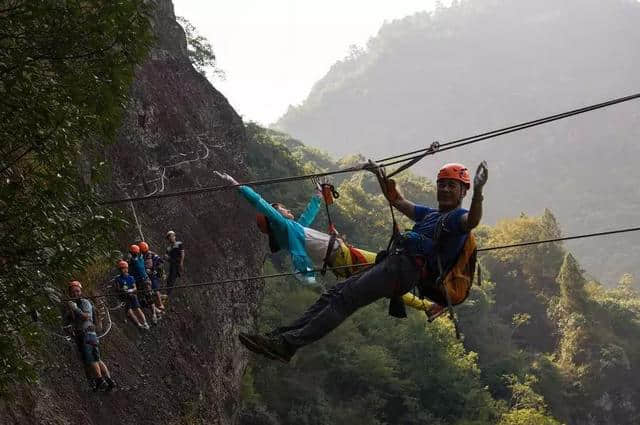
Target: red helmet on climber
<point x="144" y="247"/>
<point x="74" y="284"/>
<point x="455" y="172"/>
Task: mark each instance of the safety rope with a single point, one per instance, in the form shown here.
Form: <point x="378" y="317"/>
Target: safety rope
<point x="567" y="238"/>
<point x="234" y="186"/>
<point x="270" y="276"/>
<point x="441" y="147"/>
<point x="329" y="193"/>
<point x="135" y="216"/>
<point x="409" y="158"/>
<point x="106" y="332"/>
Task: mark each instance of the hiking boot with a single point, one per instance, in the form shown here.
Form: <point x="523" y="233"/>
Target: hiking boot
<point x="110" y="384"/>
<point x="247" y="341"/>
<point x="272" y="347"/>
<point x="100" y="385"/>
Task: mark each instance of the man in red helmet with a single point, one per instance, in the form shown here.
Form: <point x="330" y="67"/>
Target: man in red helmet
<point x="153" y="265"/>
<point x="83" y="315"/>
<point x="127" y="284"/>
<point x="399" y="271"/>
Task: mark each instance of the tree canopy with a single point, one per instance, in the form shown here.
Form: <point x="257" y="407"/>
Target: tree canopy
<point x="66" y="69"/>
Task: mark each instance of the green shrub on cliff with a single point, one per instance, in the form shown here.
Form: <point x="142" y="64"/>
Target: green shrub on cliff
<point x="65" y="71"/>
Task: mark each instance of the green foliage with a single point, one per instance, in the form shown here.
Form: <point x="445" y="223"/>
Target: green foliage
<point x="363" y="373"/>
<point x="527" y="417"/>
<point x="539" y="341"/>
<point x="66" y="69"/>
<point x="200" y="51"/>
<point x="572" y="284"/>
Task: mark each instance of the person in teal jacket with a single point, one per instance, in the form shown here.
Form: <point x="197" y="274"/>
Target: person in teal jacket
<point x="292" y="235"/>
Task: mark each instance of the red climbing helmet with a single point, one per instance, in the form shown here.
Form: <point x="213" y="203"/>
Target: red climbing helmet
<point x="144" y="247"/>
<point x="123" y="264"/>
<point x="263" y="225"/>
<point x="455" y="172"/>
<point x="74" y="284"/>
<point x="134" y="249"/>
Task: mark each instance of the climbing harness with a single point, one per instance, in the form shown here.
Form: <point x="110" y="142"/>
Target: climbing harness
<point x="70" y="329"/>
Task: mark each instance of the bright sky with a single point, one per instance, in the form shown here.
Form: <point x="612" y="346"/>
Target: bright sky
<point x="273" y="51"/>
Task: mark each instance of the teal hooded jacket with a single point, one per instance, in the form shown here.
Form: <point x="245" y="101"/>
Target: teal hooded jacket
<point x="289" y="234"/>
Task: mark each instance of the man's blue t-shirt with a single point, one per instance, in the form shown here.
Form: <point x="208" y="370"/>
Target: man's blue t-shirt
<point x="138" y="270"/>
<point x="125" y="282"/>
<point x="452" y="238"/>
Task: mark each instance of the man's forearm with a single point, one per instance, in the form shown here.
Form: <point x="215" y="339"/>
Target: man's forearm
<point x="405" y="207"/>
<point x="475" y="211"/>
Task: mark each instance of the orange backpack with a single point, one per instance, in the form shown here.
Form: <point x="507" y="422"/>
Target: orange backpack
<point x="456" y="281"/>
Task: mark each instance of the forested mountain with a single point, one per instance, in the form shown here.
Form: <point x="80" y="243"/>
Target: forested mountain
<point x="101" y="100"/>
<point x="484" y="64"/>
<point x="542" y="344"/>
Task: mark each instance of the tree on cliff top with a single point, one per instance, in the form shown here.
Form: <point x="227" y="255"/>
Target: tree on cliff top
<point x="65" y="72"/>
<point x="572" y="284"/>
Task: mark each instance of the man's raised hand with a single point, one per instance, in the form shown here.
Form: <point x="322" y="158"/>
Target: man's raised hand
<point x="481" y="177"/>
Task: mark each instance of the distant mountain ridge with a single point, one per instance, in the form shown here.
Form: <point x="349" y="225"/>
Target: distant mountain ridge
<point x="485" y="64"/>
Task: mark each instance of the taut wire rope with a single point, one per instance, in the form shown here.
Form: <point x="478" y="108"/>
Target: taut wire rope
<point x="491" y="248"/>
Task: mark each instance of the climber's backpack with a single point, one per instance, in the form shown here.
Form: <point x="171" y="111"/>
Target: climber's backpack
<point x="457" y="280"/>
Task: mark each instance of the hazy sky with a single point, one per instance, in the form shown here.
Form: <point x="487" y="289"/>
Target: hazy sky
<point x="273" y="51"/>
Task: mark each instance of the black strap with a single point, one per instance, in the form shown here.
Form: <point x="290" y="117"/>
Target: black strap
<point x="395" y="229"/>
<point x="327" y="257"/>
<point x="332" y="230"/>
<point x="442" y="273"/>
<point x="430" y="151"/>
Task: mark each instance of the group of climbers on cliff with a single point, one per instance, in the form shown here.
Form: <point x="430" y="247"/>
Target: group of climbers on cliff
<point x="140" y="277"/>
<point x="437" y="257"/>
<point x="141" y="287"/>
<point x="138" y="284"/>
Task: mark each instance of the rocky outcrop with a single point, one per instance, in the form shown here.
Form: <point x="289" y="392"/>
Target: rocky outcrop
<point x="177" y="129"/>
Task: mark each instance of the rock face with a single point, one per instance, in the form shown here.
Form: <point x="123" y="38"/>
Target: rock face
<point x="188" y="369"/>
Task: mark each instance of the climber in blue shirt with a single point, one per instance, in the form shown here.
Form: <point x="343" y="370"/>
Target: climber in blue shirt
<point x="437" y="233"/>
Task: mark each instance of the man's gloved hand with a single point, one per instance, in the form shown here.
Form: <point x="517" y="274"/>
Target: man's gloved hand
<point x="481" y="177"/>
<point x="226" y="177"/>
<point x="393" y="192"/>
